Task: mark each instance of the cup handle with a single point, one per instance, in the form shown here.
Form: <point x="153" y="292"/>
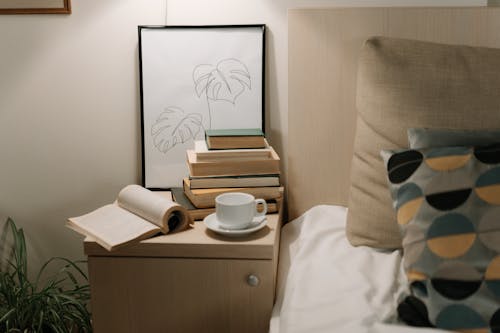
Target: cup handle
<point x="264" y="210"/>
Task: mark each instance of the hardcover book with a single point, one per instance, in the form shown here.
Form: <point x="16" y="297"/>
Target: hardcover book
<point x="200" y="213"/>
<point x="232" y="167"/>
<point x="205" y="198"/>
<point x="235" y="181"/>
<point x="205" y="154"/>
<point x="235" y="138"/>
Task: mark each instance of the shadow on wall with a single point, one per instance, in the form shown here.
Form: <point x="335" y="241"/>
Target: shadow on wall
<point x="69" y="116"/>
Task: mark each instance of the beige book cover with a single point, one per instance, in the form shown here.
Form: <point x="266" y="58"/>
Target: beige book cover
<point x="228" y="167"/>
<point x="205" y="198"/>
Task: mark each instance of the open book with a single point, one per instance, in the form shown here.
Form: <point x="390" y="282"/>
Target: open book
<point x="137" y="214"/>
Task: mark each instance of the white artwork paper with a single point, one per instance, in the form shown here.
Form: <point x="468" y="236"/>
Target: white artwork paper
<point x="192" y="79"/>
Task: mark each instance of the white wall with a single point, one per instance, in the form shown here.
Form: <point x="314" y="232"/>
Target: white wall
<point x="274" y="14"/>
<point x="69" y="105"/>
<point x="69" y="115"/>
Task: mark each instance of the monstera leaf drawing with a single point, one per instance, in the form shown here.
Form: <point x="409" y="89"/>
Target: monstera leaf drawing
<point x="225" y="81"/>
<point x="173" y="126"/>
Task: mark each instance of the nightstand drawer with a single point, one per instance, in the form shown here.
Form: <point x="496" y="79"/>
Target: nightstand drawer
<point x="140" y="294"/>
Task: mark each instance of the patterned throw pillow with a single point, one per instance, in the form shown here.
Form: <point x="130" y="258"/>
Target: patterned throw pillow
<point x="419" y="138"/>
<point x="447" y="202"/>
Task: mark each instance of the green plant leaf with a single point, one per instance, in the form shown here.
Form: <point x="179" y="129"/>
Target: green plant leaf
<point x="36" y="307"/>
<point x="6" y="315"/>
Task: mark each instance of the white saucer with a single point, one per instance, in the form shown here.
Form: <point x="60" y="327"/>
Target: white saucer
<point x="212" y="224"/>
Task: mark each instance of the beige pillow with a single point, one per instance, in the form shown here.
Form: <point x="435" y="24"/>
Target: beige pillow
<point x="403" y="84"/>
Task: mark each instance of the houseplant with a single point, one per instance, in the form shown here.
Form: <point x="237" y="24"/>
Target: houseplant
<point x="51" y="303"/>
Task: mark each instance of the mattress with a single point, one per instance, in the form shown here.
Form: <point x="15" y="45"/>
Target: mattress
<point x="327" y="285"/>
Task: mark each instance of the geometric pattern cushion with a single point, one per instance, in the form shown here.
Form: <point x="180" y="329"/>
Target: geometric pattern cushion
<point x="419" y="138"/>
<point x="447" y="202"/>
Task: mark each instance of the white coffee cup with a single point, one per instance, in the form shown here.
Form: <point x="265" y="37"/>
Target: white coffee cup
<point x="237" y="210"/>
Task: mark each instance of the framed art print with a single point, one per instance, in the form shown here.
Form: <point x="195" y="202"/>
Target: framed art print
<point x="35" y="7"/>
<point x="195" y="78"/>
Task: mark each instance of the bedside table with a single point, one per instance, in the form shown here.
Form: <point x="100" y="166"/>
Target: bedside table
<point x="191" y="281"/>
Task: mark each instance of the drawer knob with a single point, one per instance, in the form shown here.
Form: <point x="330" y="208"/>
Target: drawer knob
<point x="253" y="280"/>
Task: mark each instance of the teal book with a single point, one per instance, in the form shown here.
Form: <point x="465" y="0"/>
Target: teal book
<point x="234" y="132"/>
<point x="240" y="138"/>
<point x="179" y="197"/>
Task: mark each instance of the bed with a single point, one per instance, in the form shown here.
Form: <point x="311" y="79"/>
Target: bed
<point x="325" y="284"/>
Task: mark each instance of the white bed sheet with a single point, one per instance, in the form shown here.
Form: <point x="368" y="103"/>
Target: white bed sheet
<point x="327" y="285"/>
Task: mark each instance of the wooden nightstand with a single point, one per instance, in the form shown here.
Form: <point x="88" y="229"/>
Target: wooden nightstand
<point x="192" y="281"/>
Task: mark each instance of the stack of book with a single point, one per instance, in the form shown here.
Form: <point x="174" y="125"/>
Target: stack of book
<point x="229" y="161"/>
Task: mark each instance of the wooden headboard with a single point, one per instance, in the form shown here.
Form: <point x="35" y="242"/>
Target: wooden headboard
<point x="323" y="50"/>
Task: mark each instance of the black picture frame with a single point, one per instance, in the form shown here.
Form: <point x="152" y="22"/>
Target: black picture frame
<point x="193" y="78"/>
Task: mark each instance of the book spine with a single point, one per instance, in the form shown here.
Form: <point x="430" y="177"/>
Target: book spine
<point x="216" y="159"/>
<point x="233" y="156"/>
<point x="221" y="182"/>
<point x="207" y="200"/>
<point x="200" y="214"/>
<point x="235" y="168"/>
<point x="234" y="132"/>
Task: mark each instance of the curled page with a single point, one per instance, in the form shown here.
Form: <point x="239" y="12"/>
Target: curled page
<point x="113" y="227"/>
<point x="166" y="214"/>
